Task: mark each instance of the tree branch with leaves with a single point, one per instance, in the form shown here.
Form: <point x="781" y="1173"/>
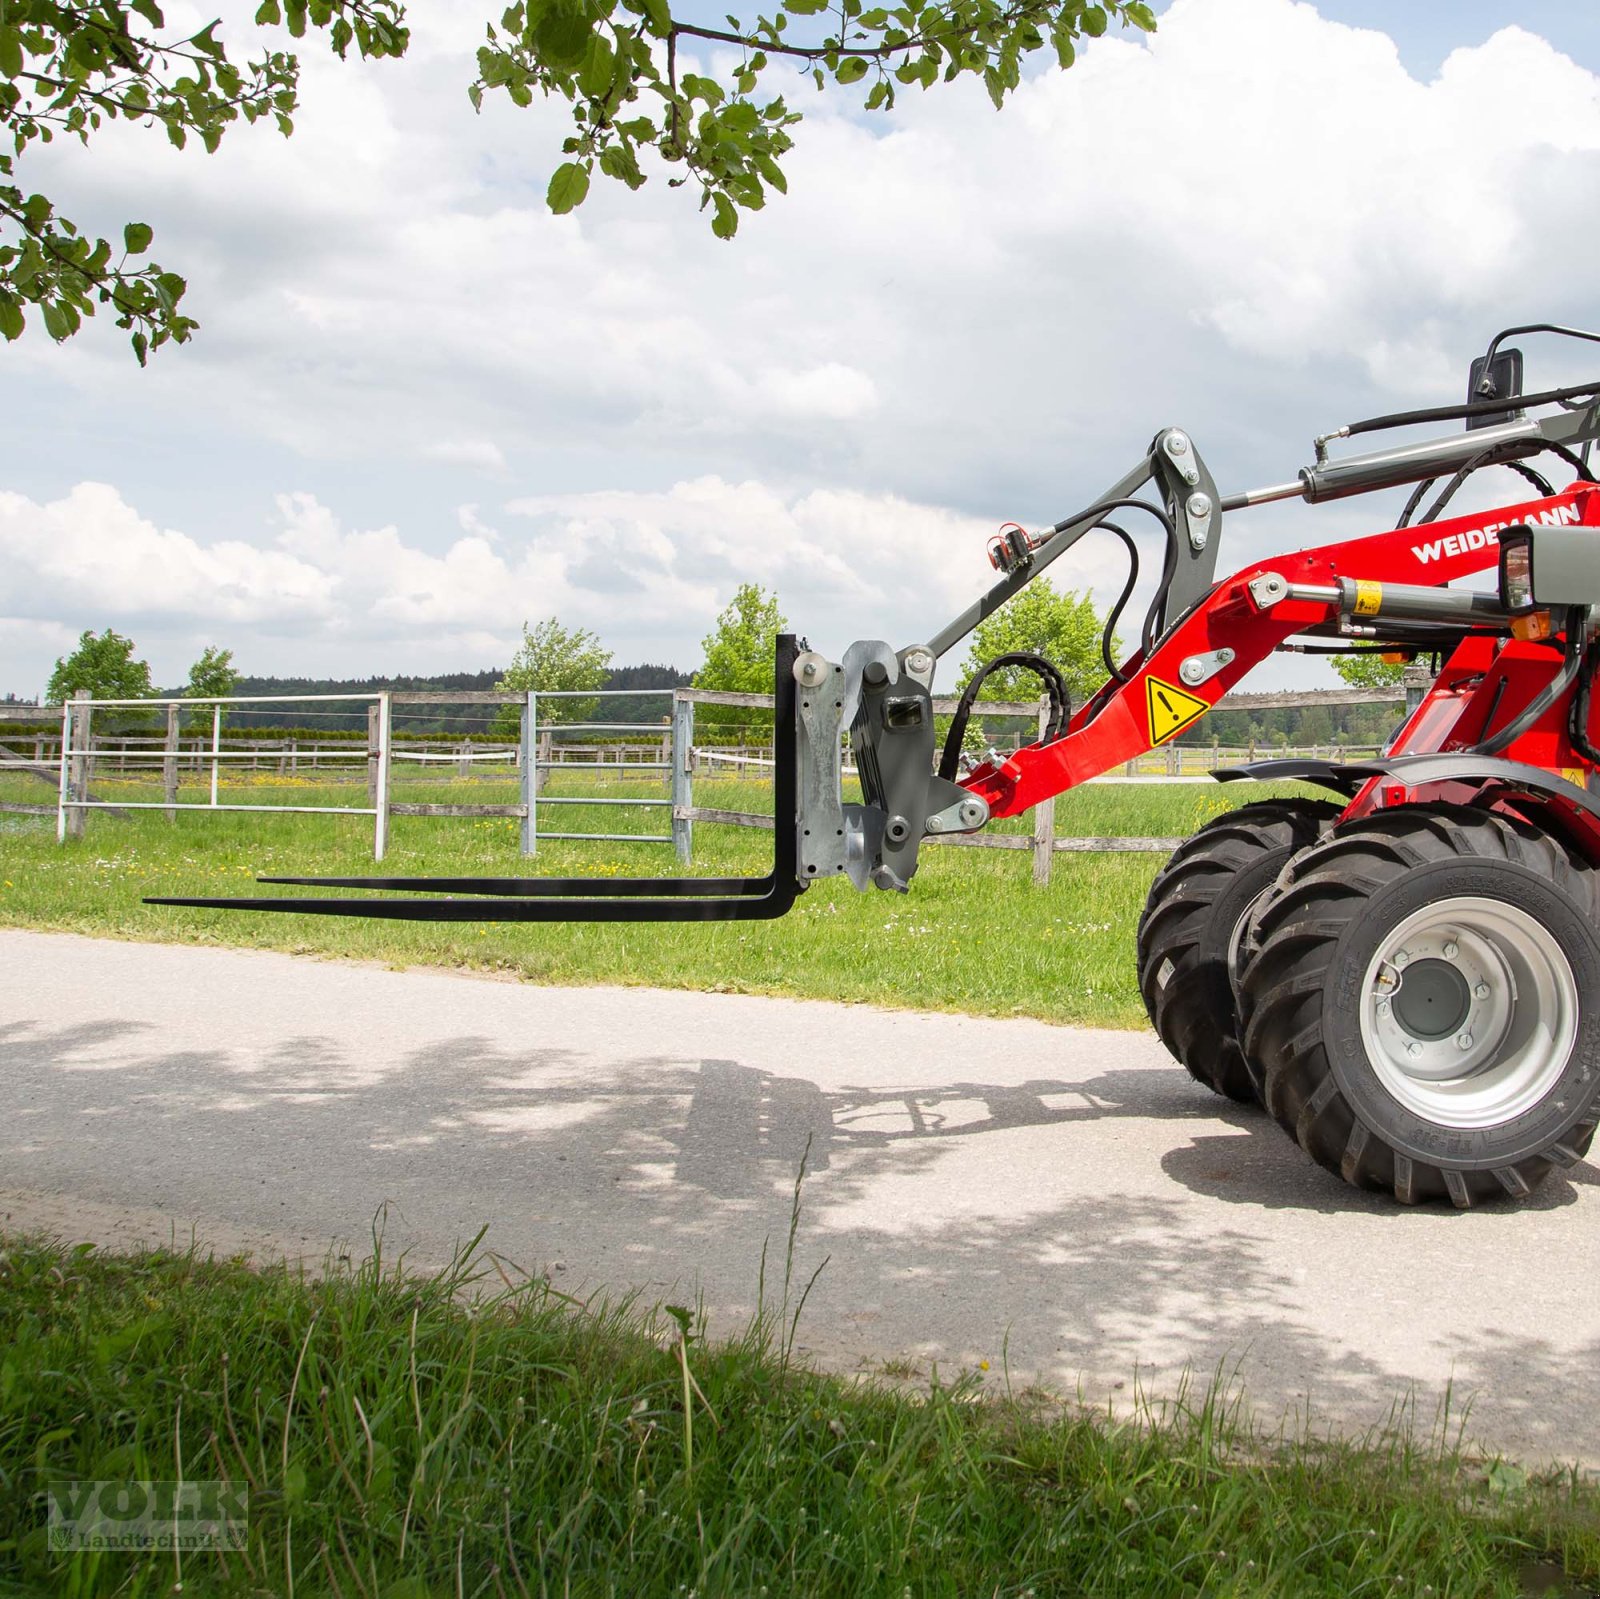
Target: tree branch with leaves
<point x="616" y="63"/>
<point x="67" y="71"/>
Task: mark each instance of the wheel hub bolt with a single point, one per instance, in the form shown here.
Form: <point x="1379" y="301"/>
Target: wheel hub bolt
<point x="1401" y="957"/>
<point x="1451" y="951"/>
<point x="1464" y="1041"/>
<point x="1481" y="991"/>
<point x="1413" y="1049"/>
<point x="1383" y="1007"/>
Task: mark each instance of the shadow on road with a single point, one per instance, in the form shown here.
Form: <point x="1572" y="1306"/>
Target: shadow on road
<point x="654" y="1172"/>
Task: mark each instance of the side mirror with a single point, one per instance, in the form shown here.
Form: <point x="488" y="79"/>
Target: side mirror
<point x="1499" y="379"/>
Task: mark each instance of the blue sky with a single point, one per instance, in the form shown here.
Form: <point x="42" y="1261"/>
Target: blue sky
<point x="420" y="410"/>
<point x="1426" y="31"/>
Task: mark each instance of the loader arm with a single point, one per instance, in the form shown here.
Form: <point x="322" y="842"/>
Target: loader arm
<point x="1396" y="577"/>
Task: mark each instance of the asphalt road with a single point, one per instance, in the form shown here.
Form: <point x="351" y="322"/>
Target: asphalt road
<point x="980" y="1189"/>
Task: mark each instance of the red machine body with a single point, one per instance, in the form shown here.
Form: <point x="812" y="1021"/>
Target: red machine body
<point x="1483" y="685"/>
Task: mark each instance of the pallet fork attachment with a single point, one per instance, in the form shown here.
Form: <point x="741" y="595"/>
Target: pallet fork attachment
<point x="581" y="899"/>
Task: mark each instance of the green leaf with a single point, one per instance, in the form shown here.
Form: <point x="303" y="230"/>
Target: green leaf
<point x="569" y="183"/>
<point x="594" y="77"/>
<point x="10" y="52"/>
<point x="852" y="69"/>
<point x="294" y="1484"/>
<point x="1094" y="22"/>
<point x="562" y="39"/>
<point x="269" y="14"/>
<point x="11" y="320"/>
<point x="56" y="322"/>
<point x="136" y="237"/>
<point x="659" y="16"/>
<point x="618" y="161"/>
<point x="770" y="170"/>
<point x="724" y="222"/>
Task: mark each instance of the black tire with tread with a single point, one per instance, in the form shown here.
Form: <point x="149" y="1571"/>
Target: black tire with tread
<point x="1188" y="924"/>
<point x="1309" y="943"/>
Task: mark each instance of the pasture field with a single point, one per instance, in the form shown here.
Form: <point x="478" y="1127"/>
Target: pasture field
<point x="974" y="934"/>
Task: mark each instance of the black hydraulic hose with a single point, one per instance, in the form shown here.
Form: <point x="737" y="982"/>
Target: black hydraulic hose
<point x="1572" y="659"/>
<point x="1115" y="614"/>
<point x="1417" y="495"/>
<point x="1454" y="413"/>
<point x="1578" y="715"/>
<point x="1533" y="476"/>
<point x="1169" y="567"/>
<point x="1490" y="457"/>
<point x="1579" y="463"/>
<point x="1055" y="687"/>
<point x="1537" y="479"/>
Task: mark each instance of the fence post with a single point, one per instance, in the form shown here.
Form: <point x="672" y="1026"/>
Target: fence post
<point x="464" y="758"/>
<point x="373" y="715"/>
<point x="528" y="764"/>
<point x="682" y="774"/>
<point x="63" y="787"/>
<point x="1044" y="816"/>
<point x="545" y="758"/>
<point x="82" y="732"/>
<point x="380" y="797"/>
<point x="216" y="748"/>
<point x="169" y="764"/>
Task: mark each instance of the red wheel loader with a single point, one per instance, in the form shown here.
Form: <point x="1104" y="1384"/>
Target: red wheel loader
<point x="1407" y="974"/>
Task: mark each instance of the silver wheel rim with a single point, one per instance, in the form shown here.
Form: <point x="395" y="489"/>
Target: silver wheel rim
<point x="1469" y="1012"/>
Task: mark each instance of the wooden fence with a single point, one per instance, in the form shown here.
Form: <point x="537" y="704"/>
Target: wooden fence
<point x="72" y="757"/>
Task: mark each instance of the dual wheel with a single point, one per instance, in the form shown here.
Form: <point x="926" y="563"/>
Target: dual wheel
<point x="1414" y="996"/>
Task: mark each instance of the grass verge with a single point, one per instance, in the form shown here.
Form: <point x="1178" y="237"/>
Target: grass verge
<point x="472" y="1434"/>
<point x="973" y="935"/>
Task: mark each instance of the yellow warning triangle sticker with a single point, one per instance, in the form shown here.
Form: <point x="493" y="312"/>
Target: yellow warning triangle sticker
<point x="1171" y="709"/>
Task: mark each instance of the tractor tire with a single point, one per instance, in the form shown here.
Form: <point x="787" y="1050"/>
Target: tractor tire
<point x="1423" y="1004"/>
<point x="1191" y="922"/>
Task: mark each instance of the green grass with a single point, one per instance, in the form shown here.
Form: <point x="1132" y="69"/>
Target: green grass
<point x="475" y="1434"/>
<point x="973" y="935"/>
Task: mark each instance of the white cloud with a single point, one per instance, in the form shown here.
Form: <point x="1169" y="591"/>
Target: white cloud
<point x="1257" y="224"/>
<point x="647" y="571"/>
<point x="91" y="551"/>
<point x="482" y="453"/>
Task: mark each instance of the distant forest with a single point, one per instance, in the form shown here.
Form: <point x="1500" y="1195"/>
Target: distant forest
<point x="463" y="718"/>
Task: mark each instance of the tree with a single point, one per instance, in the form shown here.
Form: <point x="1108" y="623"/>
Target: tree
<point x="1062" y="627"/>
<point x="739" y="656"/>
<point x="68" y="69"/>
<point x="104" y="664"/>
<point x="1369" y="671"/>
<point x="551" y="658"/>
<point x="211" y="675"/>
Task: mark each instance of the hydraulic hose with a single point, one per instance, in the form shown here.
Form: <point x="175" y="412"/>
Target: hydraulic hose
<point x="1572" y="659"/>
